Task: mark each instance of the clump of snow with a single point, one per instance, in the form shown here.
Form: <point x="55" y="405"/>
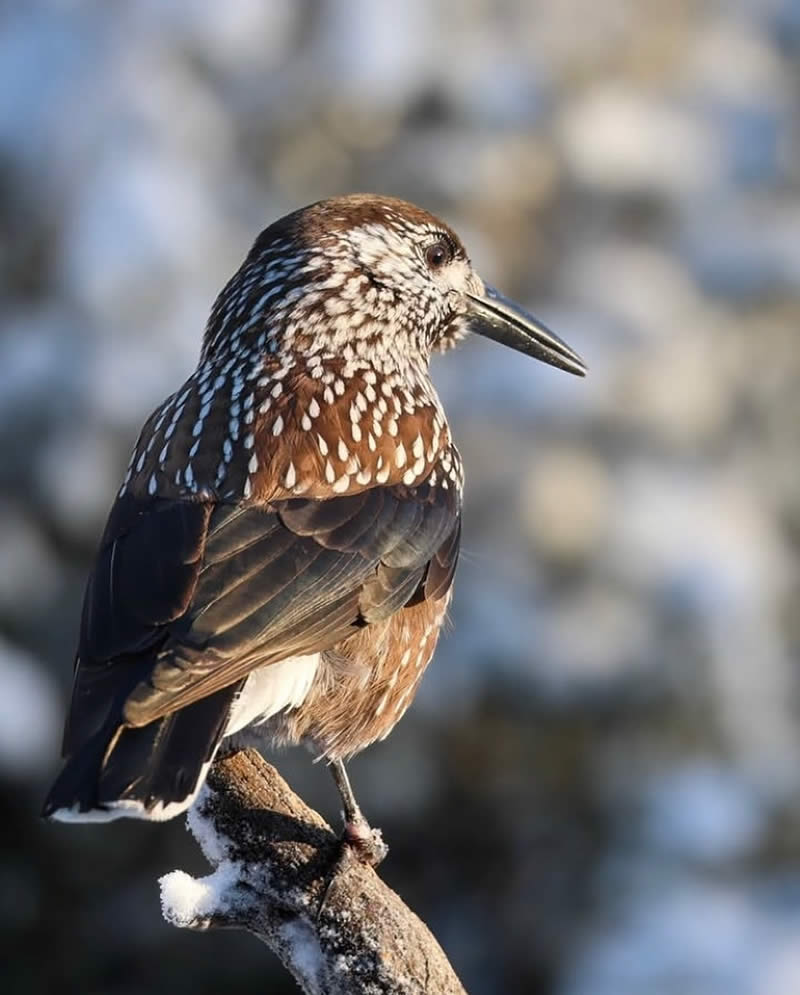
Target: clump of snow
<point x="216" y="848"/>
<point x="188" y="901"/>
<point x="306" y="956"/>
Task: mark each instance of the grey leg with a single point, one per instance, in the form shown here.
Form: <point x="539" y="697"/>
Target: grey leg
<point x="352" y="813"/>
<point x="358" y="835"/>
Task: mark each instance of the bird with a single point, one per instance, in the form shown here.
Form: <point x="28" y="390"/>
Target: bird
<point x="279" y="559"/>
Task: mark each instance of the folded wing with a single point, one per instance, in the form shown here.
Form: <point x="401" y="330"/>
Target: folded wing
<point x="187" y="597"/>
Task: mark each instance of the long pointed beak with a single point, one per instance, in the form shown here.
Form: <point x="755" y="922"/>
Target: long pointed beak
<point x="498" y="318"/>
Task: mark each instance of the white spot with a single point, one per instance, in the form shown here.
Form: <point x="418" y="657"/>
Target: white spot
<point x="400" y="455"/>
<point x="305" y="423"/>
<point x="338" y="386"/>
<point x="409" y="476"/>
<point x="188" y="475"/>
<point x="313" y="407"/>
<point x="418" y="449"/>
<point x="290" y="479"/>
<point x="277" y="425"/>
<point x="248" y="489"/>
<point x="140" y="462"/>
<point x="330" y="473"/>
<point x="355" y="431"/>
<point x="327" y="395"/>
<point x="371" y="442"/>
<point x="405" y="658"/>
<point x="382" y="475"/>
<point x="323" y="445"/>
<point x="341" y="484"/>
<point x="363" y="477"/>
<point x="249" y="441"/>
<point x="391" y="426"/>
<point x="252" y="466"/>
<point x="342" y="451"/>
<point x="152" y="486"/>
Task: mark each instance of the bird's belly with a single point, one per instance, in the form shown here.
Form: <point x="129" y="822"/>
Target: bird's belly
<point x="365" y="684"/>
<point x="273" y="689"/>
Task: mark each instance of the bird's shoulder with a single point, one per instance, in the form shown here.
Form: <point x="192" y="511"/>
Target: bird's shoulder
<point x="318" y="428"/>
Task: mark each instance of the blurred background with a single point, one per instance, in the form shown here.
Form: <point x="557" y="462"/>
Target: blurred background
<point x="598" y="789"/>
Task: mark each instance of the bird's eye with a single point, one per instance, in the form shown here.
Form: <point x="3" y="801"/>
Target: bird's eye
<point x="439" y="254"/>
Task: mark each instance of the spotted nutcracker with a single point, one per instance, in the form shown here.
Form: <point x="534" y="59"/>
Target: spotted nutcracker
<point x="279" y="558"/>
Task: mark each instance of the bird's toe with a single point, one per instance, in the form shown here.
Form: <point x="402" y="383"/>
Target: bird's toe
<point x="364" y="842"/>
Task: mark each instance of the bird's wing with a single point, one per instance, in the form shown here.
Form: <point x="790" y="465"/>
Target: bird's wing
<point x="187" y="597"/>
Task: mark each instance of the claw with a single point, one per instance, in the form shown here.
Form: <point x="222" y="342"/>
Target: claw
<point x="366" y="843"/>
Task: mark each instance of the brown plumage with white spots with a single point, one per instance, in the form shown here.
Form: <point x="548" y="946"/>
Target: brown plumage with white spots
<point x="279" y="559"/>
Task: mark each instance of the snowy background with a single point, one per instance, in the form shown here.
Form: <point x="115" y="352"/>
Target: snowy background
<point x="598" y="789"/>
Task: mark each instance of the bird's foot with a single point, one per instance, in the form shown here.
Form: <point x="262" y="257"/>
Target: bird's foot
<point x="364" y="842"/>
<point x="360" y="842"/>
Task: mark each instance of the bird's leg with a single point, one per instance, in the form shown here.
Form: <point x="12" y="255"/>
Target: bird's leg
<point x="366" y="842"/>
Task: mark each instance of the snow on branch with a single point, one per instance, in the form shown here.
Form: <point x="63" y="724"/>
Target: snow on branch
<point x="280" y="872"/>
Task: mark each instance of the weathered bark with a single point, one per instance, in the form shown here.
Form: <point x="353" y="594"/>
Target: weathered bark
<point x="281" y="873"/>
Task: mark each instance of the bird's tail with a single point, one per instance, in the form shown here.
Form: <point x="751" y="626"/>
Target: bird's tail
<point x="151" y="772"/>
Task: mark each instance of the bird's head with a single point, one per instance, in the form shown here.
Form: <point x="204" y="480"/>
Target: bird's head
<point x="369" y="277"/>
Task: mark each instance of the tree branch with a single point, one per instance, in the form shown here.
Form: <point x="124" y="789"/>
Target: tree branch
<point x="281" y="873"/>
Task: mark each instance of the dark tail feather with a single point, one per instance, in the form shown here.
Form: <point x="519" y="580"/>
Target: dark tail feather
<point x="150" y="772"/>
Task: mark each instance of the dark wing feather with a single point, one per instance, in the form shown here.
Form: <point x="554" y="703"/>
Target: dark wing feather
<point x="188" y="597"/>
<point x="442" y="567"/>
<point x="143" y="579"/>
